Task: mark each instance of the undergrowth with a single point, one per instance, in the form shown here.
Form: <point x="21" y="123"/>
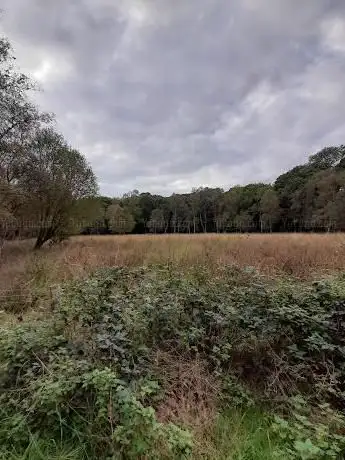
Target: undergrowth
<point x="88" y="377"/>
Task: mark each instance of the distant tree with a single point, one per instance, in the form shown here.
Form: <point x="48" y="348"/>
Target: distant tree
<point x="157" y="222"/>
<point x="231" y="207"/>
<point x="244" y="222"/>
<point x="210" y="199"/>
<point x="131" y="194"/>
<point x="242" y="203"/>
<point x="319" y="204"/>
<point x="270" y="210"/>
<point x="288" y="187"/>
<point x="328" y="157"/>
<point x="120" y="220"/>
<point x="194" y="205"/>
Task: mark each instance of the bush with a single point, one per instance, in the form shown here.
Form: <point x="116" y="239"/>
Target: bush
<point x="311" y="435"/>
<point x="87" y="373"/>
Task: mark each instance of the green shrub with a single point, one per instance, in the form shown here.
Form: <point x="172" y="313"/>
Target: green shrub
<point x="86" y="373"/>
<point x="287" y="337"/>
<point x="51" y="389"/>
<point x="311" y="434"/>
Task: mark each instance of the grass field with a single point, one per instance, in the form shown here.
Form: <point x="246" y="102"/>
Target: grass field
<point x="298" y="255"/>
<point x="229" y="326"/>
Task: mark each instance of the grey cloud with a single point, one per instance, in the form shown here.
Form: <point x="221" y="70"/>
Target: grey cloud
<point x="163" y="96"/>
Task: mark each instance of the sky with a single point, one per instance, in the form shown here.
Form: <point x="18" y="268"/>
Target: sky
<point x="166" y="95"/>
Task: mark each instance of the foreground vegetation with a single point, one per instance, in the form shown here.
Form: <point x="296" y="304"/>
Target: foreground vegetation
<point x="174" y="347"/>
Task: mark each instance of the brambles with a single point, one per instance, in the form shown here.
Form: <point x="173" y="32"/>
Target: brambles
<point x="62" y="394"/>
<point x="309" y="434"/>
<point x="90" y="372"/>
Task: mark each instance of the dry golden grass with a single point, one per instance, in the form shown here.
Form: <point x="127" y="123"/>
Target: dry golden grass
<point x="190" y="391"/>
<point x="190" y="396"/>
<point x="27" y="275"/>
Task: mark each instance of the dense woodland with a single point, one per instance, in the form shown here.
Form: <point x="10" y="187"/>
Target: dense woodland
<point x="309" y="197"/>
<point x="48" y="190"/>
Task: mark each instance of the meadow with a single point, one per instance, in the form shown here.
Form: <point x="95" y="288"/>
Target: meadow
<point x="298" y="255"/>
<point x="227" y="346"/>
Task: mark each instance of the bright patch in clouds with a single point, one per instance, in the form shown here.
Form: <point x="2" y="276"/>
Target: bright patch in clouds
<point x="334" y="34"/>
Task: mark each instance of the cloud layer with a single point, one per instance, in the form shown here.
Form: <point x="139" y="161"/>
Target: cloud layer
<point x="165" y="95"/>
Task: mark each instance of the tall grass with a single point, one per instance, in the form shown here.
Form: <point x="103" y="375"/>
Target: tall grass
<point x="27" y="279"/>
<point x="238" y="435"/>
<point x="23" y="273"/>
<point x="45" y="450"/>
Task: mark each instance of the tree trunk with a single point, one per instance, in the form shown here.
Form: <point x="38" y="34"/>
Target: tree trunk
<point x="175" y="221"/>
<point x="44" y="235"/>
<point x="2" y="243"/>
<point x="39" y="242"/>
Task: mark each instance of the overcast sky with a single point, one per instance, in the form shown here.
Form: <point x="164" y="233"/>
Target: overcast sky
<point x="166" y="95"/>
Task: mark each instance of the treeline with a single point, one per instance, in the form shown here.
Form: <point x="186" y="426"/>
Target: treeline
<point x="49" y="191"/>
<point x="309" y="197"/>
